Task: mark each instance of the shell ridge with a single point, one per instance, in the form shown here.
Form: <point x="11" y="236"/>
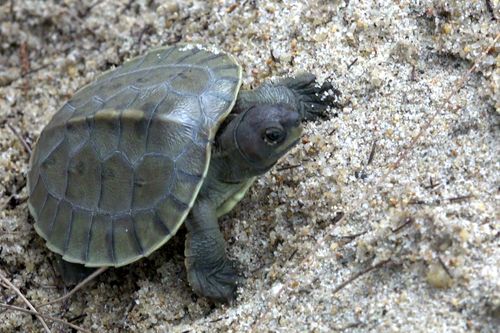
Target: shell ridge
<point x="218" y="95"/>
<point x="150" y="118"/>
<point x="89" y="237"/>
<point x="68" y="233"/>
<point x="71" y="156"/>
<point x="171" y="182"/>
<point x="158" y="221"/>
<point x="70" y="105"/>
<point x="182" y="205"/>
<point x="31" y="190"/>
<point x="226" y="78"/>
<point x="98" y="99"/>
<point x="99" y="197"/>
<point x="166" y="53"/>
<point x="110" y="97"/>
<point x="133" y="192"/>
<point x="212" y="56"/>
<point x="189" y="176"/>
<point x="120" y="128"/>
<point x="136" y="237"/>
<point x="189" y="54"/>
<point x="46" y="195"/>
<point x="201" y="105"/>
<point x="222" y="67"/>
<point x="154" y="154"/>
<point x="53" y="222"/>
<point x="48" y="190"/>
<point x="145" y="69"/>
<point x="51" y="151"/>
<point x="110" y="241"/>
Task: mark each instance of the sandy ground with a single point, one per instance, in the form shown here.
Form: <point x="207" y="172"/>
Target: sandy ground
<point x="429" y="228"/>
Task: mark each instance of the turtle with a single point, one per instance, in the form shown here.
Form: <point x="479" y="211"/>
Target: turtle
<point x="164" y="140"/>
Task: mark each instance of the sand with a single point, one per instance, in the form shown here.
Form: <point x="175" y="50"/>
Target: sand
<point x="422" y="238"/>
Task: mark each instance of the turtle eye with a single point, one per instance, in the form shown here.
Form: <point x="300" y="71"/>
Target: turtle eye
<point x="274" y="135"/>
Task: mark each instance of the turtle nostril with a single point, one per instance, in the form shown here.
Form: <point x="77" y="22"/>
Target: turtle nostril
<point x="294" y="120"/>
<point x="297" y="122"/>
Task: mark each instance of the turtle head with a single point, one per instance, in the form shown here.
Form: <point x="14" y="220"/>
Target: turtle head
<point x="264" y="133"/>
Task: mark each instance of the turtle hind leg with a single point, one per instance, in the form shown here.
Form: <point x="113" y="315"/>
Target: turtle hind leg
<point x="72" y="273"/>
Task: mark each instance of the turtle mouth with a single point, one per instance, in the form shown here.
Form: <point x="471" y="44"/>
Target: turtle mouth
<point x="294" y="135"/>
<point x="291" y="145"/>
<point x="285" y="150"/>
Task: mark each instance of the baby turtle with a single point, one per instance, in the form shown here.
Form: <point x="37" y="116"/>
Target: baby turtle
<point x="165" y="139"/>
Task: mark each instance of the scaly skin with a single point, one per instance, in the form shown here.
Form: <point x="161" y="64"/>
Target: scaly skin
<point x="210" y="273"/>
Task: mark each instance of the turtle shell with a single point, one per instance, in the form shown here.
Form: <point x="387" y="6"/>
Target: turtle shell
<point x="117" y="169"/>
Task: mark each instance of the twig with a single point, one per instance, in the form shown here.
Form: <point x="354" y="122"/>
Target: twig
<point x="423" y="202"/>
<point x="25" y="300"/>
<point x="57" y="320"/>
<point x="439" y="201"/>
<point x="20" y="138"/>
<point x="25" y="64"/>
<point x="459" y="198"/>
<point x="293" y="254"/>
<point x="288" y="167"/>
<point x="77" y="287"/>
<point x="273" y="57"/>
<point x="441" y="262"/>
<point x="413" y="76"/>
<point x="431" y="184"/>
<point x="372" y="153"/>
<point x="83" y="315"/>
<point x="339" y="216"/>
<point x="352" y="325"/>
<point x="231" y="8"/>
<point x="34" y="70"/>
<point x="352" y="63"/>
<point x="357" y="275"/>
<point x="351" y="237"/>
<point x="218" y="319"/>
<point x="408" y="221"/>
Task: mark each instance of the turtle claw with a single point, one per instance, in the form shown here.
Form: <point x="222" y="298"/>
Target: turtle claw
<point x="216" y="283"/>
<point x="312" y="100"/>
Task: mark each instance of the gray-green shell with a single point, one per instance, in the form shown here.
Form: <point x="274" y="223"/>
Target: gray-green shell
<point x="117" y="169"/>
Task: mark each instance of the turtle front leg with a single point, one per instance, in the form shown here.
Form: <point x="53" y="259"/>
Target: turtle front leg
<point x="209" y="272"/>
